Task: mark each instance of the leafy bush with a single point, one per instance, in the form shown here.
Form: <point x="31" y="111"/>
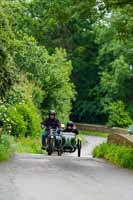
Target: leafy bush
<point x="31" y="118"/>
<point x="21" y="119"/>
<point x="7" y="65"/>
<point x="6" y="147"/>
<point x="120" y="155"/>
<point x="24" y="90"/>
<point x="118" y="116"/>
<point x="15" y="123"/>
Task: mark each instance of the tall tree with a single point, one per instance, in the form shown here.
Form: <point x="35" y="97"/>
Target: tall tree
<point x="6" y="62"/>
<point x="114" y="36"/>
<point x="69" y="24"/>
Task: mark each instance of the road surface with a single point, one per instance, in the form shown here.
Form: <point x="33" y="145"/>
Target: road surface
<point x="38" y="177"/>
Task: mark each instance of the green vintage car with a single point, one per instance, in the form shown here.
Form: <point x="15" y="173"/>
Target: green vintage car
<point x="71" y="143"/>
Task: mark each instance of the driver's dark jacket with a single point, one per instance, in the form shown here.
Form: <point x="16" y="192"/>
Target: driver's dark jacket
<point x="73" y="131"/>
<point x="51" y="123"/>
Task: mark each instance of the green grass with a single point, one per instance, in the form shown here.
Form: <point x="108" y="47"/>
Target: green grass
<point x="6" y="147"/>
<point x="119" y="155"/>
<point x="93" y="133"/>
<point x="29" y="145"/>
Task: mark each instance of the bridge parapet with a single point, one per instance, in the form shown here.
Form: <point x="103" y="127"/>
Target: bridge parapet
<point x="101" y="128"/>
<point x="116" y="135"/>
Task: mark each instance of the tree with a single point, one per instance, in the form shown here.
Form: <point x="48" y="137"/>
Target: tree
<point x="6" y="62"/>
<point x="115" y="49"/>
<point x="95" y="37"/>
<point x="50" y="72"/>
<point x="68" y="24"/>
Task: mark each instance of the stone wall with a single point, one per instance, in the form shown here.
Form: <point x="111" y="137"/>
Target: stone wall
<point x="116" y="135"/>
<point x="121" y="139"/>
<point x="101" y="128"/>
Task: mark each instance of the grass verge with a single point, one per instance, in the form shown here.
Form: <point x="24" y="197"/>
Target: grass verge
<point x="119" y="155"/>
<point x="93" y="133"/>
<point x="29" y="145"/>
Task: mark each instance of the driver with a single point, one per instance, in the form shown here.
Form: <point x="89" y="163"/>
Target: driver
<point x="50" y="122"/>
<point x="70" y="127"/>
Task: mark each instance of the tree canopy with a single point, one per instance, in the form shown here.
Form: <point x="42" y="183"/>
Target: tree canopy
<point x="73" y="56"/>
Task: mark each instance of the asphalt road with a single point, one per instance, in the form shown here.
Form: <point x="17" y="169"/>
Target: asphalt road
<point x="38" y="177"/>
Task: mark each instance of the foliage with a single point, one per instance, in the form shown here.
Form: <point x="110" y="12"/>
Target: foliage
<point x="44" y="77"/>
<point x="114" y="58"/>
<point x="118" y="116"/>
<point x="6" y="62"/>
<point x="45" y="46"/>
<point x="50" y="74"/>
<point x="119" y="155"/>
<point x="31" y="80"/>
<point x="31" y="118"/>
<point x="21" y="119"/>
<point x="99" y="43"/>
<point x="24" y="90"/>
<point x="28" y="145"/>
<point x="71" y="28"/>
<point x="6" y="147"/>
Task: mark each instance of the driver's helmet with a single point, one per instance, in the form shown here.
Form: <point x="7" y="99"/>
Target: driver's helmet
<point x="52" y="112"/>
<point x="70" y="124"/>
